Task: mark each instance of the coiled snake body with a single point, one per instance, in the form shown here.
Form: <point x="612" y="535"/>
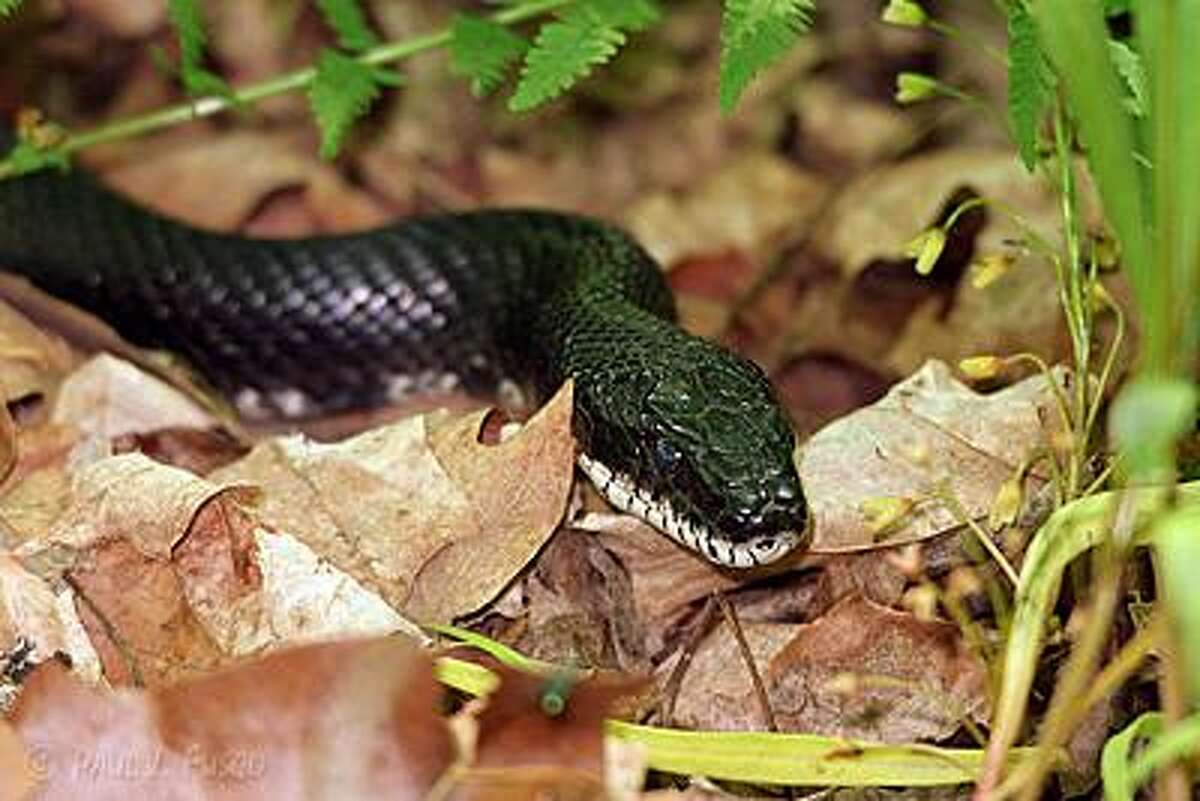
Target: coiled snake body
<point x="671" y="427"/>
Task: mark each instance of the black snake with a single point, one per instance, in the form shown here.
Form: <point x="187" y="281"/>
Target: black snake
<point x="672" y="428"/>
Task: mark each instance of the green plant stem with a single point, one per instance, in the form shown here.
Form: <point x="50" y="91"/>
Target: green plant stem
<point x="281" y="84"/>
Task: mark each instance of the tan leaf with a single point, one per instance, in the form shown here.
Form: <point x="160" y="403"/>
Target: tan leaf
<point x="929" y="432"/>
<point x="862" y="670"/>
<point x="109" y="397"/>
<point x="347" y="720"/>
<point x="31" y="361"/>
<point x="412" y="509"/>
<point x="17" y="766"/>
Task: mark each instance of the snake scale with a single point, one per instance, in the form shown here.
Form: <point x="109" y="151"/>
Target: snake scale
<point x="671" y="427"/>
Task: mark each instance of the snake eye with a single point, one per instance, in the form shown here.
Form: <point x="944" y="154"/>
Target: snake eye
<point x="666" y="455"/>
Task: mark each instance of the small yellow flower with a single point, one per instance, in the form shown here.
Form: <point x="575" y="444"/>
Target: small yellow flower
<point x="883" y="513"/>
<point x="926" y="248"/>
<point x="1007" y="503"/>
<point x="914" y="86"/>
<point x="904" y="12"/>
<point x="989" y="269"/>
<point x="980" y="368"/>
<point x="922" y="601"/>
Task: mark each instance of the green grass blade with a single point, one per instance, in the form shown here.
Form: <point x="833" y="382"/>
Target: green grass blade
<point x="1177" y="537"/>
<point x="802" y="759"/>
<point x="1075" y="38"/>
<point x="1070" y="531"/>
<point x="1115" y="762"/>
<point x="1168" y="33"/>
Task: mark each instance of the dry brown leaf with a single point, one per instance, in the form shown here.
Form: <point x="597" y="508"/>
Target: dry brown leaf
<point x="16" y="766"/>
<point x="851" y="131"/>
<point x="29" y="612"/>
<point x="880" y="212"/>
<point x="162" y="563"/>
<point x="576" y="607"/>
<point x="108" y="397"/>
<point x="860" y="671"/>
<point x="9" y="449"/>
<point x="32" y="362"/>
<point x="216" y="182"/>
<point x="39" y="489"/>
<point x="347" y="720"/>
<point x="129" y="19"/>
<point x="411" y="509"/>
<point x="748" y="206"/>
<point x="929" y="431"/>
<point x="521" y="752"/>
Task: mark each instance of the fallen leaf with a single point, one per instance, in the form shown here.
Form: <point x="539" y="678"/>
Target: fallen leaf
<point x="198" y="451"/>
<point x="929" y="433"/>
<point x="410" y="509"/>
<point x="181" y="177"/>
<point x="345" y="720"/>
<point x="32" y="362"/>
<point x="861" y="671"/>
<point x="749" y="206"/>
<point x="879" y="212"/>
<point x="128" y="19"/>
<point x="523" y="752"/>
<point x="109" y="397"/>
<point x="16" y="766"/>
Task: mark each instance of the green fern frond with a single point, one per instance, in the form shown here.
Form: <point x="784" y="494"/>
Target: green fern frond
<point x="9" y="7"/>
<point x="188" y="23"/>
<point x="1129" y="67"/>
<point x="585" y="35"/>
<point x="1029" y="81"/>
<point x="347" y="19"/>
<point x="482" y="51"/>
<point x="342" y="91"/>
<point x="755" y="34"/>
<point x="627" y="15"/>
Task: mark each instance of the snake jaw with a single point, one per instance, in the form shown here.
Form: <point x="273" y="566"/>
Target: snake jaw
<point x="622" y="492"/>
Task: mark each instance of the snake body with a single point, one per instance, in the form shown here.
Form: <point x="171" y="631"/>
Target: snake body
<point x="671" y="427"/>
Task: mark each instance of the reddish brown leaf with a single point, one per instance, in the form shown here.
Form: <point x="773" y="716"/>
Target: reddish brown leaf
<point x="860" y="671"/>
<point x="348" y="720"/>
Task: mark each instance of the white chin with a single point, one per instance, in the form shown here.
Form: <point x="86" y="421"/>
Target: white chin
<point x="620" y="490"/>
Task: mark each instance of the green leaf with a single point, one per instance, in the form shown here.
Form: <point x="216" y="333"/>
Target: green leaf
<point x="1029" y="82"/>
<point x="755" y="34"/>
<point x="1069" y="532"/>
<point x="1177" y="537"/>
<point x="1119" y="784"/>
<point x="1129" y="67"/>
<point x="188" y="22"/>
<point x="803" y="759"/>
<point x="342" y="91"/>
<point x="348" y="21"/>
<point x="564" y="52"/>
<point x="482" y="51"/>
<point x="9" y="7"/>
<point x="26" y="157"/>
<point x="1146" y="420"/>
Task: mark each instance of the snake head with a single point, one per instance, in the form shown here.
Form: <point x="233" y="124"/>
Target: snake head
<point x="707" y="459"/>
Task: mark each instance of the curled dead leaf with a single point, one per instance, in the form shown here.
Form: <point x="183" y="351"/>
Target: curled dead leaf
<point x="420" y="510"/>
<point x="930" y="432"/>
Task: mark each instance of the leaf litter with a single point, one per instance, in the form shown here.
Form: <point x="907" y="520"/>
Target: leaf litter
<point x="190" y="583"/>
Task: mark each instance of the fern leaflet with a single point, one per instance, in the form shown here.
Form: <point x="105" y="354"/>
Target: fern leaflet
<point x="9" y="7"/>
<point x="1029" y="79"/>
<point x="188" y="24"/>
<point x="348" y="21"/>
<point x="1129" y="67"/>
<point x="585" y="34"/>
<point x="482" y="51"/>
<point x="342" y="91"/>
<point x="755" y="34"/>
